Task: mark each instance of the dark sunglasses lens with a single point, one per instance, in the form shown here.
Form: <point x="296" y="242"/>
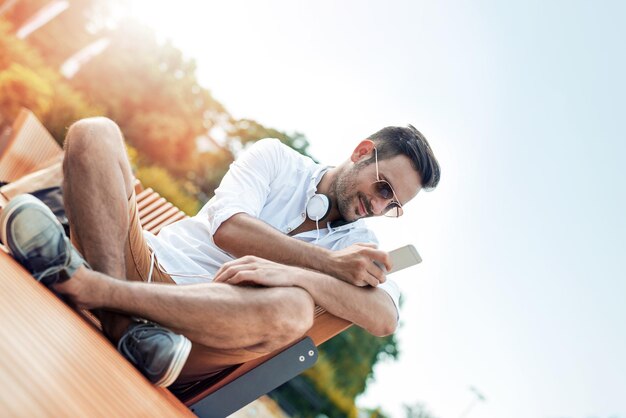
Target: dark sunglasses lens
<point x="393" y="210"/>
<point x="384" y="190"/>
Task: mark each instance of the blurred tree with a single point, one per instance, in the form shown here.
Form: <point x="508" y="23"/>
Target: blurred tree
<point x="372" y="413"/>
<point x="20" y="86"/>
<point x="68" y="106"/>
<point x="156" y="98"/>
<point x="26" y="81"/>
<point x="71" y="30"/>
<point x="354" y="353"/>
<point x="210" y="168"/>
<point x="18" y="12"/>
<point x="417" y="410"/>
<point x="245" y="131"/>
<point x="179" y="193"/>
<point x="341" y="373"/>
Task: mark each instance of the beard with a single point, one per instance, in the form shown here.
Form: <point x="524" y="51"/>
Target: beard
<point x="343" y="191"/>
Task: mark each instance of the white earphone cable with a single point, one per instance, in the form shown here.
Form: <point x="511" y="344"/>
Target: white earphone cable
<point x="160" y="267"/>
<point x="317" y="226"/>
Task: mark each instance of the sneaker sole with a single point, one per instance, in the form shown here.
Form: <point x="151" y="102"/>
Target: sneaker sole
<point x="183" y="349"/>
<point x="14" y="204"/>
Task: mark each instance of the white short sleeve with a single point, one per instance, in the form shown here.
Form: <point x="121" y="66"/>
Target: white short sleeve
<point x="246" y="185"/>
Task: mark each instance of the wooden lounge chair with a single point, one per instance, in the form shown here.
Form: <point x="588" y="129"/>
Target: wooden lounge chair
<point x="28" y="148"/>
<point x="220" y="395"/>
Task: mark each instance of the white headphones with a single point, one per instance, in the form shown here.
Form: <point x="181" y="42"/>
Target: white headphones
<point x="318" y="207"/>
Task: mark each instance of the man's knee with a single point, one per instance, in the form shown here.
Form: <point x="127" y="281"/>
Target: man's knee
<point x="93" y="138"/>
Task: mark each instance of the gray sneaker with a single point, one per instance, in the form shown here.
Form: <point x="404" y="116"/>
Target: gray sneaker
<point x="36" y="239"/>
<point x="158" y="353"/>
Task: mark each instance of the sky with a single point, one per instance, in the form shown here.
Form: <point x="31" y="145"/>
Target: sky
<point x="521" y="292"/>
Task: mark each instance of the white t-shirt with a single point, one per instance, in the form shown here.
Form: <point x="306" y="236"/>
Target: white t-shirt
<point x="269" y="181"/>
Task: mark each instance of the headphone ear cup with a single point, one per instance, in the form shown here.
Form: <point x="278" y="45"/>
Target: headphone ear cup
<point x="318" y="207"/>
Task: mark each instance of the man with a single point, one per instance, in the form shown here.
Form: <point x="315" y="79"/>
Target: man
<point x="252" y="263"/>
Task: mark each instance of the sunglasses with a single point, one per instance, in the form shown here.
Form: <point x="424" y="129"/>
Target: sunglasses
<point x="385" y="191"/>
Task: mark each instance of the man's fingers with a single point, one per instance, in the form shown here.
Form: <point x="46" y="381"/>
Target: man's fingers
<point x="242" y="277"/>
<point x="369" y="279"/>
<point x="379" y="271"/>
<point x="366" y="244"/>
<point x="377" y="274"/>
<point x="380" y="256"/>
<point x="225" y="266"/>
<point x="243" y="261"/>
<point x="229" y="271"/>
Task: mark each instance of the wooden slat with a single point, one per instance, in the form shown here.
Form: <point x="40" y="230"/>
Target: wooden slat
<point x="138" y="187"/>
<point x="178" y="217"/>
<point x="157" y="212"/>
<point x="29" y="146"/>
<point x="326" y="326"/>
<point x="165" y="219"/>
<point x="154" y="205"/>
<point x="54" y="365"/>
<point x="50" y="176"/>
<point x="146" y="198"/>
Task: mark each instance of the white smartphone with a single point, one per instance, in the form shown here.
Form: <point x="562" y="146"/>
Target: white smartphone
<point x="402" y="258"/>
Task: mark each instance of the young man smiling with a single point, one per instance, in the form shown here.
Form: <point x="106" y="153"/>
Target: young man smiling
<point x="281" y="235"/>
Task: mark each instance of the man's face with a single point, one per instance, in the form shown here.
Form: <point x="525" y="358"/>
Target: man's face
<point x="354" y="188"/>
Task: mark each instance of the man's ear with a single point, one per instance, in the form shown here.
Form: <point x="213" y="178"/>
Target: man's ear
<point x="362" y="150"/>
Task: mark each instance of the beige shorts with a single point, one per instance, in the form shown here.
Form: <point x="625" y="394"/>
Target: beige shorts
<point x="137" y="253"/>
<point x="204" y="361"/>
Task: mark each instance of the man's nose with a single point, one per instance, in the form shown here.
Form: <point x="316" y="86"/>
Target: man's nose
<point x="378" y="205"/>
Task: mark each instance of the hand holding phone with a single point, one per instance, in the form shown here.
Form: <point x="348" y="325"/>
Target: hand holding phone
<point x="402" y="258"/>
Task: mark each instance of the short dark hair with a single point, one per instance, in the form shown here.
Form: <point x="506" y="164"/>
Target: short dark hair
<point x="397" y="140"/>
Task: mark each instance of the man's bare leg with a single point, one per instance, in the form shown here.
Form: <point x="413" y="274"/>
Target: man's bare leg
<point x="97" y="183"/>
<point x="213" y="314"/>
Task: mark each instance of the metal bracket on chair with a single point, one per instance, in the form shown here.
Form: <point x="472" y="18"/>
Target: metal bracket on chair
<point x="258" y="381"/>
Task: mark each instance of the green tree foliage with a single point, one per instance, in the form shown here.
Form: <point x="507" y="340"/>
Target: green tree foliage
<point x="354" y="353"/>
<point x="68" y="105"/>
<point x="27" y="81"/>
<point x="159" y="179"/>
<point x="417" y="410"/>
<point x="24" y="79"/>
<point x="245" y="131"/>
<point x="344" y="366"/>
<point x="210" y="167"/>
<point x="20" y="86"/>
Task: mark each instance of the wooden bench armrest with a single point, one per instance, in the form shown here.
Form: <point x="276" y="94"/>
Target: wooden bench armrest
<point x="29" y="148"/>
<point x="324" y="328"/>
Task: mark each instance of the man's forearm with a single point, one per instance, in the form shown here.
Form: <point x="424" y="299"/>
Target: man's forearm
<point x="243" y="234"/>
<point x="368" y="307"/>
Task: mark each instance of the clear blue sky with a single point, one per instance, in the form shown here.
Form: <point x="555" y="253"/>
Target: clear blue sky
<point x="522" y="289"/>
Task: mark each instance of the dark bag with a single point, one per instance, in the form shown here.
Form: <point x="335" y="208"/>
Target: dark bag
<point x="53" y="198"/>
